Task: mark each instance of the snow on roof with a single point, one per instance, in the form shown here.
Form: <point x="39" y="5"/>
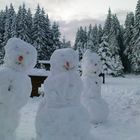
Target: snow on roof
<point x="44" y="61"/>
<point x="39" y="72"/>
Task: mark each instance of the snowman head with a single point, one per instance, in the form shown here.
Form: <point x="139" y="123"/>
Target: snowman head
<point x="19" y="55"/>
<point x="91" y="63"/>
<point x="64" y="60"/>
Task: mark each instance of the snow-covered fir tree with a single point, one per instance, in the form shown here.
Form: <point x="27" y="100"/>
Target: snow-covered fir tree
<point x="135" y="57"/>
<point x="116" y="46"/>
<point x="2" y="26"/>
<point x="90" y="41"/>
<point x="128" y="35"/>
<point x="29" y="22"/>
<point x="105" y="55"/>
<point x="95" y="38"/>
<point x="48" y="48"/>
<point x="23" y="24"/>
<point x="81" y="41"/>
<point x="107" y="25"/>
<point x="56" y="35"/>
<point x="39" y="32"/>
<point x="100" y="33"/>
<point x="10" y="24"/>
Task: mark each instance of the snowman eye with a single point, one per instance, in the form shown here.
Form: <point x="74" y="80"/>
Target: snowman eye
<point x="95" y="64"/>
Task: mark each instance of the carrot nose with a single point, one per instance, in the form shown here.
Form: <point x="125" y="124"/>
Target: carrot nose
<point x="20" y="58"/>
<point x="67" y="65"/>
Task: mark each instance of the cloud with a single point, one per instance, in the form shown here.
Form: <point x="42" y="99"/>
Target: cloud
<point x="69" y="29"/>
<point x="121" y="14"/>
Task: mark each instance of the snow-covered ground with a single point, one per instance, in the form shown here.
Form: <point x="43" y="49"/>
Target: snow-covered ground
<point x="123" y="97"/>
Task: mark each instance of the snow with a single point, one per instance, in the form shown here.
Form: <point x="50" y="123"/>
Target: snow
<point x="38" y="72"/>
<point x="123" y="97"/>
<point x="15" y="85"/>
<point x="44" y="62"/>
<point x="16" y="49"/>
<point x="91" y="96"/>
<point x="60" y="115"/>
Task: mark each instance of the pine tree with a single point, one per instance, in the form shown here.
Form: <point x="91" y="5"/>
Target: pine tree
<point x="100" y="33"/>
<point x="107" y="25"/>
<point x="128" y="35"/>
<point x="105" y="55"/>
<point x="2" y="25"/>
<point x="22" y="24"/>
<point x="81" y="41"/>
<point x="10" y="24"/>
<point x="135" y="58"/>
<point x="90" y="41"/>
<point x="29" y="22"/>
<point x="95" y="38"/>
<point x="116" y="45"/>
<point x="56" y="35"/>
<point x="48" y="49"/>
<point x="39" y="35"/>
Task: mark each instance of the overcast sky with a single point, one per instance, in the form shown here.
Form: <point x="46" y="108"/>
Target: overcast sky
<point x="71" y="13"/>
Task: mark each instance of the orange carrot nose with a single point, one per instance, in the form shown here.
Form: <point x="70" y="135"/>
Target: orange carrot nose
<point x="20" y="58"/>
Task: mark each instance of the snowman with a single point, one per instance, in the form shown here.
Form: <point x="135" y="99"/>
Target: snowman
<point x="15" y="85"/>
<point x="91" y="95"/>
<point x="61" y="115"/>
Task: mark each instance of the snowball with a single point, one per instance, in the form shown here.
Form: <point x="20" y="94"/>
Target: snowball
<point x="91" y="63"/>
<point x="19" y="55"/>
<point x="60" y="57"/>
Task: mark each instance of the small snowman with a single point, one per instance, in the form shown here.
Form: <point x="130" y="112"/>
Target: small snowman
<point x="91" y="95"/>
<point x="15" y="85"/>
<point x="61" y="115"/>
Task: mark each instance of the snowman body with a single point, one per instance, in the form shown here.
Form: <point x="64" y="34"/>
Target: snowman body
<point x="15" y="85"/>
<point x="61" y="116"/>
<point x="91" y="95"/>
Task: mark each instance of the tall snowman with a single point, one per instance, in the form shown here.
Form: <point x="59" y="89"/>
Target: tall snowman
<point x="61" y="115"/>
<point x="91" y="95"/>
<point x="15" y="85"/>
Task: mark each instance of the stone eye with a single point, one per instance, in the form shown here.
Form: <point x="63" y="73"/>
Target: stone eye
<point x="95" y="64"/>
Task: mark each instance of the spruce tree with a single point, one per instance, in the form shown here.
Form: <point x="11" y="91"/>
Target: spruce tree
<point x="81" y="41"/>
<point x="107" y="25"/>
<point x="39" y="35"/>
<point x="22" y="24"/>
<point x="128" y="35"/>
<point x="10" y="24"/>
<point x="56" y="35"/>
<point x="135" y="58"/>
<point x="105" y="55"/>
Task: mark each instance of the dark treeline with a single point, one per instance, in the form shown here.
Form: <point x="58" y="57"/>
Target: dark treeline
<point x="117" y="45"/>
<point x="35" y="29"/>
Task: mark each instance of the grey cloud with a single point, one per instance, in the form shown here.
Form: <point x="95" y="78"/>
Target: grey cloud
<point x="69" y="29"/>
<point x="121" y="14"/>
